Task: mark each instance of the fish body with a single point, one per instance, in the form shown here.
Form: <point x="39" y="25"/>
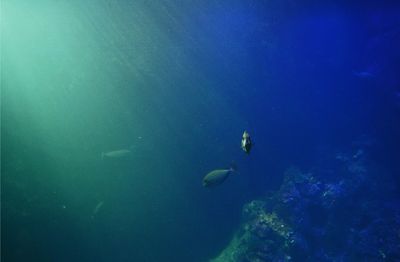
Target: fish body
<point x="217" y="177"/>
<point x="246" y="142"/>
<point x="116" y="153"/>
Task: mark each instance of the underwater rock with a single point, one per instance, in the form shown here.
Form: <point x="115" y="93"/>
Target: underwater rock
<point x="253" y="209"/>
<point x="312" y="217"/>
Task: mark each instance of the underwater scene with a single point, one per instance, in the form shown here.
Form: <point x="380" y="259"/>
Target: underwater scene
<point x="193" y="131"/>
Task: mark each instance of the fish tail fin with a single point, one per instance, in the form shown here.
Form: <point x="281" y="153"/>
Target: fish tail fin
<point x="233" y="167"/>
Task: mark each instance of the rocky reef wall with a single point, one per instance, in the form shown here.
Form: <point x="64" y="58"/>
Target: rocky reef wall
<point x="343" y="213"/>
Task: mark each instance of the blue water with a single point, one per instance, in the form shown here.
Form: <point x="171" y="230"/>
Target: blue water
<point x="176" y="83"/>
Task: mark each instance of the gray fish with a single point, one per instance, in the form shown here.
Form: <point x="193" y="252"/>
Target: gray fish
<point x="116" y="153"/>
<point x="97" y="207"/>
<point x="217" y="177"/>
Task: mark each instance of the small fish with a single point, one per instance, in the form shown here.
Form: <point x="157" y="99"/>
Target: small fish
<point x="364" y="74"/>
<point x="217" y="176"/>
<point x="97" y="207"/>
<point x="116" y="153"/>
<point x="246" y="142"/>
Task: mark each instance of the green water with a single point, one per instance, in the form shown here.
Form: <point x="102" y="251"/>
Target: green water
<point x="80" y="78"/>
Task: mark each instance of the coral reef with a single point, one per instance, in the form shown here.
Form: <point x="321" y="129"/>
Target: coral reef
<point x="348" y="215"/>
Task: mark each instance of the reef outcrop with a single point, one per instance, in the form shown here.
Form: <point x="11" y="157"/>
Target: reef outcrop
<point x="345" y="213"/>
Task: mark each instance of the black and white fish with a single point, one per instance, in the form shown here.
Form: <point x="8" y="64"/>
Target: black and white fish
<point x="246" y="142"/>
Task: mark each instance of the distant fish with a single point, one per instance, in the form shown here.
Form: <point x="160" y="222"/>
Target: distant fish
<point x="116" y="153"/>
<point x="97" y="207"/>
<point x="217" y="177"/>
<point x="364" y="74"/>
